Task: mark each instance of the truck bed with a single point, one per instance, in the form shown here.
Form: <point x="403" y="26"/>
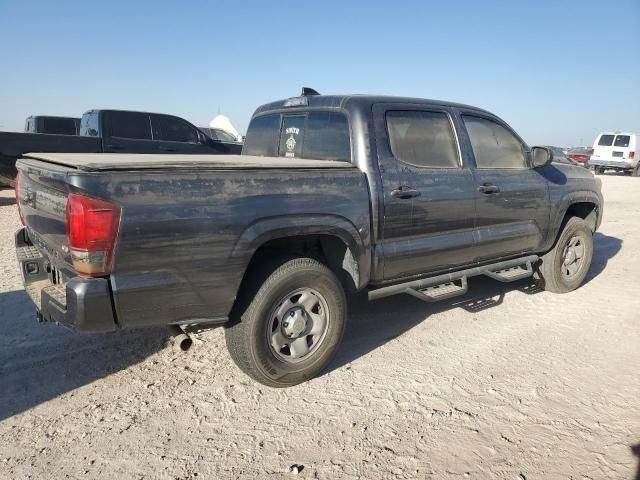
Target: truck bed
<point x="190" y="224"/>
<point x="116" y="161"/>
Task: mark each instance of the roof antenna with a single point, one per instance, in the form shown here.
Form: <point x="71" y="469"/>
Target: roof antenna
<point x="307" y="92"/>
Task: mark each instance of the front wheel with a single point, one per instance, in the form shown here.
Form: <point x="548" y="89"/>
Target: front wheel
<point x="291" y="326"/>
<point x="564" y="268"/>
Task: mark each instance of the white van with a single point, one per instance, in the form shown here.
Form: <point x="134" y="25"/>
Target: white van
<point x="618" y="151"/>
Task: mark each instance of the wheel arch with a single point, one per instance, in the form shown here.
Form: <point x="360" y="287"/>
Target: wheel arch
<point x="584" y="204"/>
<point x="332" y="239"/>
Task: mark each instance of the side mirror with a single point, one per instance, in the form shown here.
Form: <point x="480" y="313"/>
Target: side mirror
<point x="542" y="156"/>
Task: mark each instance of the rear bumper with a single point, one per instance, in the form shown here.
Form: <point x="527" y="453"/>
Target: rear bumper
<point x="82" y="304"/>
<point x="624" y="164"/>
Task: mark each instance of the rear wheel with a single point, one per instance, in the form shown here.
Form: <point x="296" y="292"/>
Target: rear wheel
<point x="291" y="327"/>
<point x="564" y="267"/>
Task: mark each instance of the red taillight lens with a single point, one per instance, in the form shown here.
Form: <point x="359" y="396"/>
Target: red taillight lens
<point x="632" y="154"/>
<point x="17" y="192"/>
<point x="92" y="227"/>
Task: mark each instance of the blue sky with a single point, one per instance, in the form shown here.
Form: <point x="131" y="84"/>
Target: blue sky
<point x="558" y="71"/>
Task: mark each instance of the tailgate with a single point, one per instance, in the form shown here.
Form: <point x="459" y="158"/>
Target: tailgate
<point x="42" y="197"/>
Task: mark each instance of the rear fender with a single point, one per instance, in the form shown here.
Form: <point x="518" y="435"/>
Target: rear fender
<point x="265" y="230"/>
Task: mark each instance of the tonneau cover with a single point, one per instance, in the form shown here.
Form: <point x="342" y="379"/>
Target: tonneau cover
<point x="118" y="161"/>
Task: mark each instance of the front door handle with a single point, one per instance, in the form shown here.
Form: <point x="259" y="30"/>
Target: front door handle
<point x="405" y="192"/>
<point x="488" y="189"/>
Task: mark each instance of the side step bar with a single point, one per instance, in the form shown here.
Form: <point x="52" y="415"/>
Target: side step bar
<point x="449" y="285"/>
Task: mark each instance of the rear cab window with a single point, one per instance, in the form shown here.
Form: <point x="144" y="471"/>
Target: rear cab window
<point x="89" y="125"/>
<point x="313" y="135"/>
<point x="58" y="126"/>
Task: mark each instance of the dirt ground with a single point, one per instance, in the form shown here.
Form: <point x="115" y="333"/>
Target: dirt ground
<point x="508" y="382"/>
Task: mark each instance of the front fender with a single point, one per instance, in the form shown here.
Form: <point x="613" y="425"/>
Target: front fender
<point x="578" y="196"/>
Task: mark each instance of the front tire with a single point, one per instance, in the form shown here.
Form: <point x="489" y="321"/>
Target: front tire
<point x="564" y="268"/>
<point x="291" y="325"/>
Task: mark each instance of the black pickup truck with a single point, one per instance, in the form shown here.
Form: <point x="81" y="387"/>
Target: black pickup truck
<point x="112" y="131"/>
<point x="332" y="194"/>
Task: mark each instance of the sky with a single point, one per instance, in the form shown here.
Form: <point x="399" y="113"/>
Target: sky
<point x="558" y="72"/>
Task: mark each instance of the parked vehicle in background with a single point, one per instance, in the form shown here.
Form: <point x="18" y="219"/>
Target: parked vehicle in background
<point x="52" y="125"/>
<point x="219" y="134"/>
<point x="115" y="131"/>
<point x="559" y="156"/>
<point x="580" y="155"/>
<point x="618" y="151"/>
<point x="332" y="194"/>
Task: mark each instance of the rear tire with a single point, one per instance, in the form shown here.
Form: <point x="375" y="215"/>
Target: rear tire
<point x="564" y="268"/>
<point x="290" y="325"/>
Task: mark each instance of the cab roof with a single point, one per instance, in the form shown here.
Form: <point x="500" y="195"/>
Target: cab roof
<point x="352" y="101"/>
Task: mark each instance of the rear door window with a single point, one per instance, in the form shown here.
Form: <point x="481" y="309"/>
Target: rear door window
<point x="262" y="136"/>
<point x="622" y="141"/>
<point x="130" y="125"/>
<point x="171" y="129"/>
<point x="422" y="139"/>
<point x="606" y="140"/>
<point x="493" y="145"/>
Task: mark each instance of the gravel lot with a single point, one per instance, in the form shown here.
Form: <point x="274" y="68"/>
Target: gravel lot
<point x="507" y="382"/>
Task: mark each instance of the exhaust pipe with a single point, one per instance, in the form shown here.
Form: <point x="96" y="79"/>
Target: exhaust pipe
<point x="181" y="338"/>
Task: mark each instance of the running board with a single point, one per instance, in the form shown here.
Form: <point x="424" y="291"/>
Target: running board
<point x="452" y="284"/>
<point x="441" y="292"/>
<point x="512" y="274"/>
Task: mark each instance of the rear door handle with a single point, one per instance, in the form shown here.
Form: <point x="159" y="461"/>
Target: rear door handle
<point x="405" y="192"/>
<point x="168" y="149"/>
<point x="488" y="189"/>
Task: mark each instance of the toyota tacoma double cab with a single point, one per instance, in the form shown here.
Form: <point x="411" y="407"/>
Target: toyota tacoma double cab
<point x="331" y="194"/>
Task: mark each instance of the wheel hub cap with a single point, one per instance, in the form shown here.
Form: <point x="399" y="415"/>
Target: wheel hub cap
<point x="570" y="257"/>
<point x="294" y="323"/>
<point x="573" y="257"/>
<point x="298" y="324"/>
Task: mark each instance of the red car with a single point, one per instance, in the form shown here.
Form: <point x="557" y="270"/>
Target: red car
<point x="580" y="155"/>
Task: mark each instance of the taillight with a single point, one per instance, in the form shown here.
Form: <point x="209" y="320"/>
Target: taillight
<point x="92" y="227"/>
<point x="632" y="154"/>
<point x="17" y="192"/>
